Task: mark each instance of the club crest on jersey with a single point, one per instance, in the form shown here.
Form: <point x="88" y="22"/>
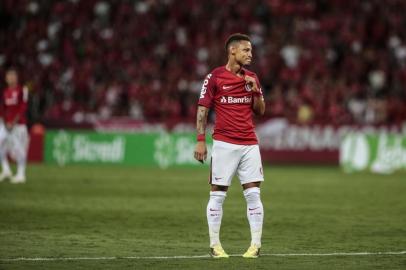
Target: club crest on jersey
<point x="248" y="87"/>
<point x="235" y="100"/>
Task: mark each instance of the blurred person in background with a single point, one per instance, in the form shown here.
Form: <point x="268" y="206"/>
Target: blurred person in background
<point x="14" y="135"/>
<point x="310" y="46"/>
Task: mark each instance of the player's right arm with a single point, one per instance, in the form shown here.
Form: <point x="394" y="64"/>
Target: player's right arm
<point x="201" y="123"/>
<point x="204" y="104"/>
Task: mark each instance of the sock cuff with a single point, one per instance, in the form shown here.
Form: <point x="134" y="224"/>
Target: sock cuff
<point x="218" y="193"/>
<point x="252" y="190"/>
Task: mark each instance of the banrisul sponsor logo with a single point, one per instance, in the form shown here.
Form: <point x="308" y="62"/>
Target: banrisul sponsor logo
<point x="236" y="100"/>
<point x="68" y="148"/>
<point x="86" y="150"/>
<point x="354" y="152"/>
<point x="61" y="150"/>
<point x="381" y="153"/>
<point x="176" y="150"/>
<point x="390" y="153"/>
<point x="164" y="150"/>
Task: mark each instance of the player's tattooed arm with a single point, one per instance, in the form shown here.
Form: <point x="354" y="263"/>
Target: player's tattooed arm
<point x="200" y="153"/>
<point x="201" y="120"/>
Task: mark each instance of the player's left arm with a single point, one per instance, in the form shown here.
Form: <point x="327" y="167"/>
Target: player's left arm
<point x="258" y="104"/>
<point x="2" y="106"/>
<point x="24" y="101"/>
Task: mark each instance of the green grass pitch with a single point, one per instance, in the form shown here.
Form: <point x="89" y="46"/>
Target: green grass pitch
<point x="114" y="211"/>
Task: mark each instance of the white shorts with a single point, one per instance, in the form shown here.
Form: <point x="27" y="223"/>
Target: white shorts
<point x="19" y="142"/>
<point x="228" y="158"/>
<point x="3" y="133"/>
<point x="15" y="142"/>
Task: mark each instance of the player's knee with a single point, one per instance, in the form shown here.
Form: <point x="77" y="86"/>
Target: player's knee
<point x="252" y="194"/>
<point x="219" y="188"/>
<point x="218" y="196"/>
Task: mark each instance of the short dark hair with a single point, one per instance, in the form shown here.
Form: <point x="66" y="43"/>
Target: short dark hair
<point x="236" y="37"/>
<point x="12" y="69"/>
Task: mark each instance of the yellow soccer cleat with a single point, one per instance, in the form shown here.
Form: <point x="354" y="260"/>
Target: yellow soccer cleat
<point x="252" y="252"/>
<point x="218" y="252"/>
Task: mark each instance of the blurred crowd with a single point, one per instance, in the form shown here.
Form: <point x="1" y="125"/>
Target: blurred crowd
<point x="319" y="61"/>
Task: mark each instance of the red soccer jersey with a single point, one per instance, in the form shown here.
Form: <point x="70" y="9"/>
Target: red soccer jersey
<point x="15" y="104"/>
<point x="232" y="102"/>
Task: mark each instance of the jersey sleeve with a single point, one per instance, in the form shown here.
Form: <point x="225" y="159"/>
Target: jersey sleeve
<point x="208" y="91"/>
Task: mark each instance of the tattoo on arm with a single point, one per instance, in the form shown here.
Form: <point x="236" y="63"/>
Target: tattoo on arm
<point x="201" y="120"/>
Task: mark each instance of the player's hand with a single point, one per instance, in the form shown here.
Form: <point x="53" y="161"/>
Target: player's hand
<point x="200" y="151"/>
<point x="252" y="83"/>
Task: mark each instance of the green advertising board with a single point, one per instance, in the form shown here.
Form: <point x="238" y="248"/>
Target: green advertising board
<point x="160" y="149"/>
<point x="380" y="153"/>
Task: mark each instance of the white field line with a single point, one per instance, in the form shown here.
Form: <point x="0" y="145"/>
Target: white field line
<point x="198" y="256"/>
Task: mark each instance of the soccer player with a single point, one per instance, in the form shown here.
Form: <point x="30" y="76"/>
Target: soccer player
<point x="14" y="138"/>
<point x="235" y="94"/>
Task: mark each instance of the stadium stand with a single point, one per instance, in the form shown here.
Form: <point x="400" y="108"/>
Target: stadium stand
<point x="343" y="62"/>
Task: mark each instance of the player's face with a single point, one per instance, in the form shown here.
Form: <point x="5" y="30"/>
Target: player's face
<point x="243" y="52"/>
<point x="11" y="78"/>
